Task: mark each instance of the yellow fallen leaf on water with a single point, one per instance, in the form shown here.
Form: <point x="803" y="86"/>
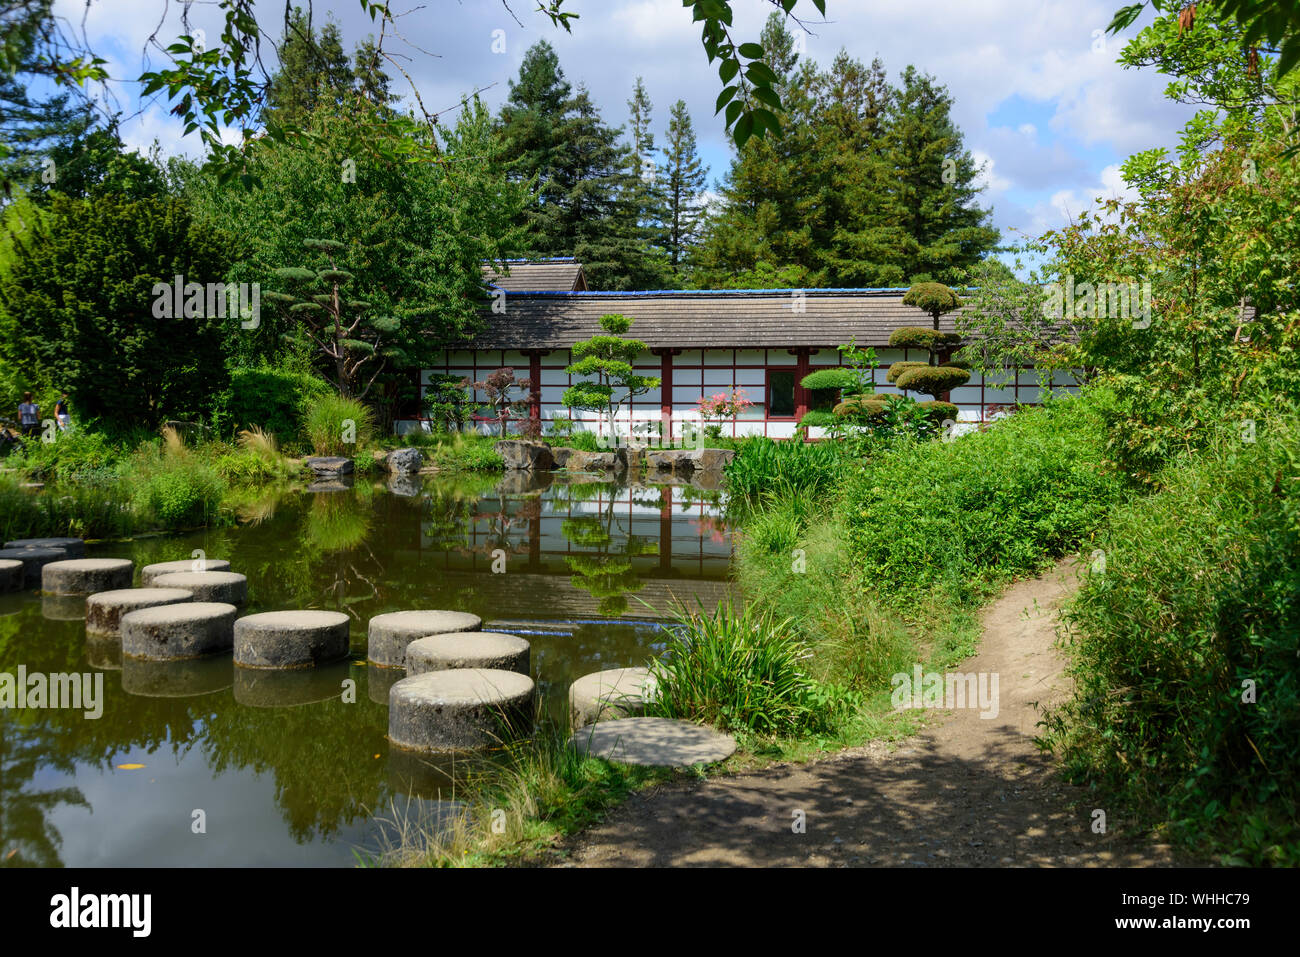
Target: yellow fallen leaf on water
<point x="11" y="853"/>
<point x="376" y="755"/>
<point x="130" y="767"/>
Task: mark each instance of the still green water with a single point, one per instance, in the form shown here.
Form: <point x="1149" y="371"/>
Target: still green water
<point x="293" y="769"/>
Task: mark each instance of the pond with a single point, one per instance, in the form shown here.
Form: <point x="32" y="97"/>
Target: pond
<point x="295" y="769"/>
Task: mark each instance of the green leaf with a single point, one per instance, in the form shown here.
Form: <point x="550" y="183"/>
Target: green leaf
<point x="751" y="51"/>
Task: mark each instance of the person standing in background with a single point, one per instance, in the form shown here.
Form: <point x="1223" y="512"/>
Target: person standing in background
<point x="29" y="416"/>
<point x="61" y="414"/>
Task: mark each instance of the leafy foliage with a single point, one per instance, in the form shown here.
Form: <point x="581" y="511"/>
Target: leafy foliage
<point x="88" y="302"/>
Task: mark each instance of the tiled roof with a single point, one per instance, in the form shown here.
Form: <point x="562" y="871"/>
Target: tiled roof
<point x="707" y="319"/>
<point x="548" y="275"/>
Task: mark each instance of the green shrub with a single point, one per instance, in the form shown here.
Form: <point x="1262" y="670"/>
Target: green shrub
<point x="982" y="508"/>
<point x="920" y="337"/>
<point x="1199" y="595"/>
<point x="932" y="297"/>
<point x="271" y="398"/>
<point x="932" y="380"/>
<point x="743" y="671"/>
<point x="898" y="368"/>
<point x="336" y="425"/>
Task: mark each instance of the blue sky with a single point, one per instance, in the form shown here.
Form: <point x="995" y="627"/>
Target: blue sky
<point x="1038" y="93"/>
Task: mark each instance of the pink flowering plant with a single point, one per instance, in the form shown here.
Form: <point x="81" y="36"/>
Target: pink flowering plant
<point x="717" y="409"/>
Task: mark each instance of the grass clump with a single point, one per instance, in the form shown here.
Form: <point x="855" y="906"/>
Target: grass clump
<point x="337" y="425"/>
<point x="743" y="671"/>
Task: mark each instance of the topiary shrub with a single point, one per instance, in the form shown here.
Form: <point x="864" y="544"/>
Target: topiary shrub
<point x="919" y="337"/>
<point x="836" y="378"/>
<point x="818" y="419"/>
<point x="898" y="368"/>
<point x="938" y="412"/>
<point x="932" y="297"/>
<point x="860" y="407"/>
<point x="932" y="380"/>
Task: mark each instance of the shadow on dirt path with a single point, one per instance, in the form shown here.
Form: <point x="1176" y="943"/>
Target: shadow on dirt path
<point x="967" y="791"/>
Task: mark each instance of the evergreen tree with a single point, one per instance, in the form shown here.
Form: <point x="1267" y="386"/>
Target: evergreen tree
<point x="684" y="179"/>
<point x="648" y="195"/>
<point x="587" y="202"/>
<point x="315" y="71"/>
<point x="934" y="184"/>
<point x="870" y="185"/>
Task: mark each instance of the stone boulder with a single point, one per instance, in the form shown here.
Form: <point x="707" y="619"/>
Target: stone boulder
<point x="711" y="460"/>
<point x="522" y="455"/>
<point x="329" y="466"/>
<point x="404" y="461"/>
<point x="614" y="460"/>
<point x="561" y="455"/>
<point x="669" y="460"/>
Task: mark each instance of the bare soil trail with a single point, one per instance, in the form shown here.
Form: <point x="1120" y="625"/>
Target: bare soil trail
<point x="967" y="791"/>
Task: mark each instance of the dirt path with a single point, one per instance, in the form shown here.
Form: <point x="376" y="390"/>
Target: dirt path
<point x="968" y="791"/>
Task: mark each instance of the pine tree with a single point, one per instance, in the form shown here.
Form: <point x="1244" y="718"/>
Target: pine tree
<point x="315" y="71"/>
<point x="934" y="184"/>
<point x="587" y="201"/>
<point x="684" y="180"/>
<point x="648" y="194"/>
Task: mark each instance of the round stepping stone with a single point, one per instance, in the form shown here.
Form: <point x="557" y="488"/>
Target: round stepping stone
<point x="276" y="688"/>
<point x="33" y="559"/>
<point x="654" y="742"/>
<point x="176" y="679"/>
<point x="459" y="710"/>
<point x="150" y="572"/>
<point x="104" y="610"/>
<point x="85" y="576"/>
<point x="468" y="649"/>
<point x="388" y="635"/>
<point x="608" y="695"/>
<point x="230" y="588"/>
<point x="12" y="575"/>
<point x="291" y="639"/>
<point x="72" y="547"/>
<point x="187" y="630"/>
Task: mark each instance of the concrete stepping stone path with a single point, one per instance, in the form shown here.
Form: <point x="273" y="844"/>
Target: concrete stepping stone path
<point x="157" y="569"/>
<point x="12" y="575"/>
<point x="172" y="632"/>
<point x="291" y="639"/>
<point x="607" y="695"/>
<point x="653" y="742"/>
<point x="72" y="547"/>
<point x="33" y="559"/>
<point x="388" y="635"/>
<point x="85" y="576"/>
<point x="105" y="609"/>
<point x="459" y="710"/>
<point x="468" y="649"/>
<point x="228" y="587"/>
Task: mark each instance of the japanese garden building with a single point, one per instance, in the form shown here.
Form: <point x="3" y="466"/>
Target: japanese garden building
<point x="701" y="343"/>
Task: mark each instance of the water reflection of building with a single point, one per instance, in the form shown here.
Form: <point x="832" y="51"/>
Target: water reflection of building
<point x="567" y="546"/>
